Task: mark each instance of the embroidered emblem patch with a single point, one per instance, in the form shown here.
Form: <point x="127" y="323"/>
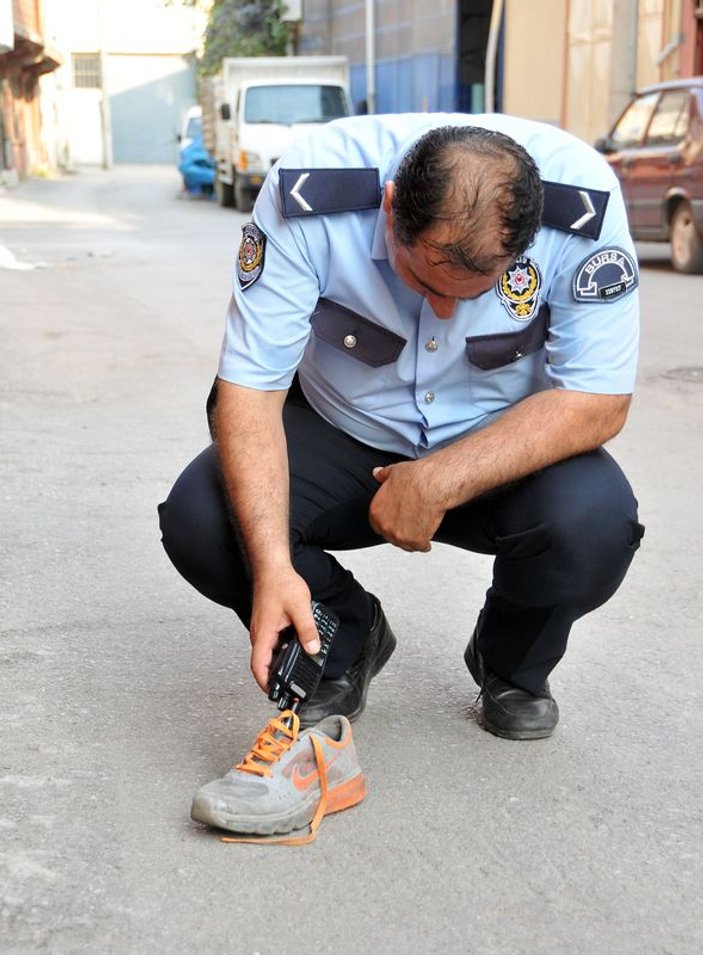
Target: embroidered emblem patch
<point x="605" y="276"/>
<point x="518" y="289"/>
<point x="250" y="261"/>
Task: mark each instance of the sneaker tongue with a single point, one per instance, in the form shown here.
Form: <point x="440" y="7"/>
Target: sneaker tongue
<point x="271" y="743"/>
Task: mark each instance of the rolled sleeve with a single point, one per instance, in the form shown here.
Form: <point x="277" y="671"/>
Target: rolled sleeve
<point x="593" y="346"/>
<point x="268" y="324"/>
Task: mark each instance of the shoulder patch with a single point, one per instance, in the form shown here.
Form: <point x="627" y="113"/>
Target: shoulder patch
<point x="250" y="260"/>
<point x="574" y="208"/>
<point x="518" y="289"/>
<point x="605" y="276"/>
<point x="310" y="192"/>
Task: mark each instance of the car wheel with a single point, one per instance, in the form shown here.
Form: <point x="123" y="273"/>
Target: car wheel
<point x="225" y="193"/>
<point x="243" y="199"/>
<point x="686" y="241"/>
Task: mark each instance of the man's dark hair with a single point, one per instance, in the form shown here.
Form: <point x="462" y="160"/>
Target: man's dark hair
<point x="481" y="182"/>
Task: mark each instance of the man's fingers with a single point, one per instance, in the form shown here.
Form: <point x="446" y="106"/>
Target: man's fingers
<point x="307" y="634"/>
<point x="261" y="657"/>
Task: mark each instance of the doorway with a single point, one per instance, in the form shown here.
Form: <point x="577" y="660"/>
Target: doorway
<point x="474" y="18"/>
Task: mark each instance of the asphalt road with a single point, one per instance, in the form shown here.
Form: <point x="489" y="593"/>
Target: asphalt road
<point x="121" y="690"/>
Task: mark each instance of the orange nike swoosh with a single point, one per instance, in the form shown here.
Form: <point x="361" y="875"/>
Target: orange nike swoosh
<point x="304" y="781"/>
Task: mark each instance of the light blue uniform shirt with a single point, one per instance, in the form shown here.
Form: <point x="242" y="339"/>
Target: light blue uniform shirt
<point x="451" y="376"/>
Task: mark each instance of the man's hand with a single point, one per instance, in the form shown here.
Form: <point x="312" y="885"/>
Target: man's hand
<point x="281" y="599"/>
<point x="402" y="510"/>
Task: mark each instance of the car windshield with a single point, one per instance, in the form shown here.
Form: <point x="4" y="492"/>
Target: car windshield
<point x="193" y="129"/>
<point x="631" y="126"/>
<point x="304" y="103"/>
<point x="670" y="122"/>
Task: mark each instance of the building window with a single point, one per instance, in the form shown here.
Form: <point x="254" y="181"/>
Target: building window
<point x="86" y="70"/>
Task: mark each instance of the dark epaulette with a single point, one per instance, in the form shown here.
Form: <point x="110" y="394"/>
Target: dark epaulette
<point x="317" y="192"/>
<point x="574" y="208"/>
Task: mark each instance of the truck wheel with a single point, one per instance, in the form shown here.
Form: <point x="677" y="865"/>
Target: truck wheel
<point x="225" y="193"/>
<point x="686" y="241"/>
<point x="243" y="199"/>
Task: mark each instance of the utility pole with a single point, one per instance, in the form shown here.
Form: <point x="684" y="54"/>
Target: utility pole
<point x="370" y="57"/>
<point x="492" y="55"/>
<point x="291" y="16"/>
<point x="105" y="117"/>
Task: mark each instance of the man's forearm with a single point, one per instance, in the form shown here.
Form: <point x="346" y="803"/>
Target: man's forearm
<point x="254" y="462"/>
<point x="414" y="496"/>
<point x="253" y="458"/>
<point x="544" y="428"/>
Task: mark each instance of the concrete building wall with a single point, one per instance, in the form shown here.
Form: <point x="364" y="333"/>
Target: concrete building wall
<point x="147" y="78"/>
<point x="589" y="44"/>
<point x="577" y="62"/>
<point x="534" y="59"/>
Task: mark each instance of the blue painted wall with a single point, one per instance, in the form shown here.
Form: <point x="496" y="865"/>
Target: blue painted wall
<point x="146" y="116"/>
<point x="414" y="84"/>
<point x="416" y="44"/>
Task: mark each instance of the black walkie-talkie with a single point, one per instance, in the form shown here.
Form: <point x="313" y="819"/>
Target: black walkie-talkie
<point x="296" y="674"/>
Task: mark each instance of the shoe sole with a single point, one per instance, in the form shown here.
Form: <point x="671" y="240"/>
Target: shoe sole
<point x="343" y="796"/>
<point x="514" y="734"/>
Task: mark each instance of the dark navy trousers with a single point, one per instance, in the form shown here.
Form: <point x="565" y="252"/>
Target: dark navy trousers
<point x="563" y="540"/>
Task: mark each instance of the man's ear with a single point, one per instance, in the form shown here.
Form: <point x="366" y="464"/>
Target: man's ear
<point x="388" y="190"/>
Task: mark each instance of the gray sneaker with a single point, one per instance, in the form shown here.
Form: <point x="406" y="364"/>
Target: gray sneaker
<point x="287" y="782"/>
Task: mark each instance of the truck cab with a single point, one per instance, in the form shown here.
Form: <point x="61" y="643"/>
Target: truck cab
<point x="260" y="116"/>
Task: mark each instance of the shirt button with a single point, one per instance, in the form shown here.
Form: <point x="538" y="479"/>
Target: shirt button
<point x="431" y="345"/>
<point x="429" y="397"/>
<point x="350" y="341"/>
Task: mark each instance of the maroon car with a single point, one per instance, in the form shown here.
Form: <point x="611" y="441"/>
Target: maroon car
<point x="656" y="151"/>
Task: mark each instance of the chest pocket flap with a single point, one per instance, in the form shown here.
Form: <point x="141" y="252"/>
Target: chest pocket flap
<point x="493" y="351"/>
<point x="359" y="337"/>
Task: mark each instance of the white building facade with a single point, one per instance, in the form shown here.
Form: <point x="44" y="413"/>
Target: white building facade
<point x="127" y="78"/>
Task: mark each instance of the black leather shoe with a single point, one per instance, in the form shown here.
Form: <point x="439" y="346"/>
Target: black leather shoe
<point x="507" y="710"/>
<point x="346" y="695"/>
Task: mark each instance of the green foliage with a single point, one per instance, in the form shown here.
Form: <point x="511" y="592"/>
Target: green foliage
<point x="243" y="28"/>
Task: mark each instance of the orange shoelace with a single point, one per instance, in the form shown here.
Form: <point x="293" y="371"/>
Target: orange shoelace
<point x="268" y="748"/>
<point x="271" y="744"/>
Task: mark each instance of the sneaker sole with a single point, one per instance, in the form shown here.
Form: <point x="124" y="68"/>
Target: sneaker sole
<point x="343" y="796"/>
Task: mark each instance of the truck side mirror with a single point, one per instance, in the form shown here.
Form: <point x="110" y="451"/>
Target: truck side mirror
<point x="603" y="145"/>
<point x="225" y="111"/>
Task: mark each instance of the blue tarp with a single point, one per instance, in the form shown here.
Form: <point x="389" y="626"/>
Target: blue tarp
<point x="197" y="167"/>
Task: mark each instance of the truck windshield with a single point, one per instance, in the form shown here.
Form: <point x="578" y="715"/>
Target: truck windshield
<point x="304" y="103"/>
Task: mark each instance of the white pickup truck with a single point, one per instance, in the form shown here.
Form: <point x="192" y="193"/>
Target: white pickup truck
<point x="261" y="104"/>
